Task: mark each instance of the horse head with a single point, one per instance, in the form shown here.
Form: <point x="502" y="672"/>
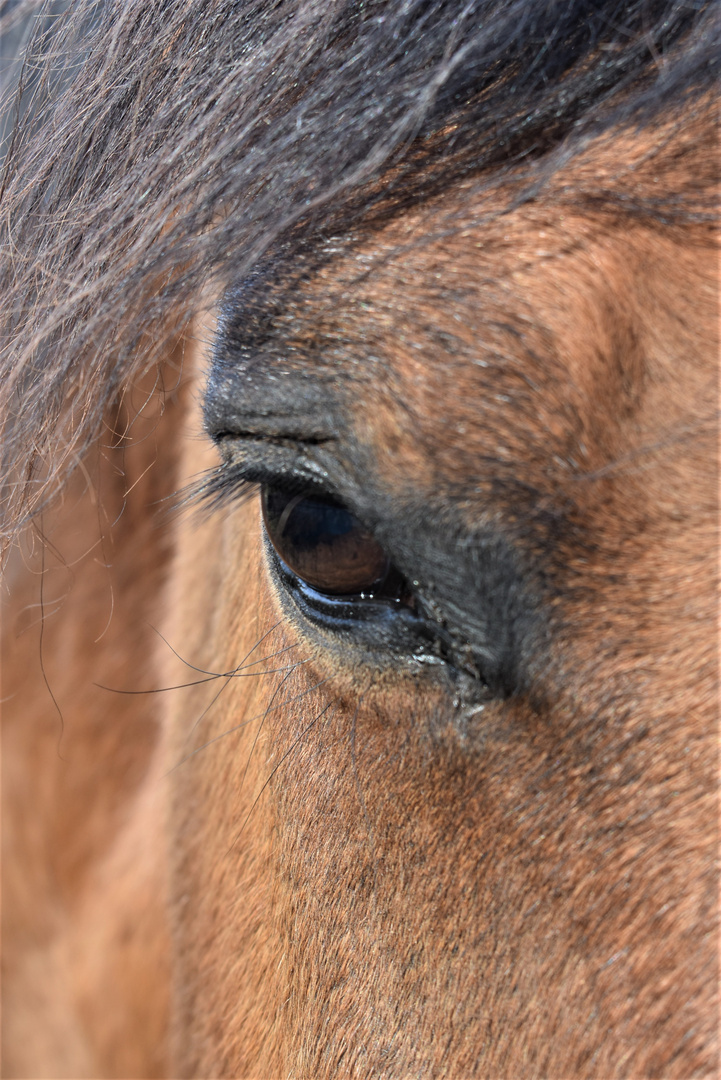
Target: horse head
<point x="397" y="755"/>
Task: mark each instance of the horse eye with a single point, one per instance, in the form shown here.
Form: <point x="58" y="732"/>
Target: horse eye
<point x="323" y="543"/>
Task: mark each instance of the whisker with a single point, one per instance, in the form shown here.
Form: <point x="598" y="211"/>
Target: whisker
<point x="244" y="723"/>
<point x="359" y="789"/>
<point x="233" y="674"/>
<point x="236" y="672"/>
<point x="199" y="682"/>
<point x="260" y="728"/>
<point x="208" y="707"/>
<point x="262" y="660"/>
<point x="302" y="735"/>
<point x="162" y="689"/>
<point x="204" y="671"/>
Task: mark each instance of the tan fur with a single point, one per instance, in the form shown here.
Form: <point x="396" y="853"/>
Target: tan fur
<point x="83" y="870"/>
<point x="325" y="911"/>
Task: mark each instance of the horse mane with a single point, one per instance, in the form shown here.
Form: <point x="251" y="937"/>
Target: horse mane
<point x="157" y="151"/>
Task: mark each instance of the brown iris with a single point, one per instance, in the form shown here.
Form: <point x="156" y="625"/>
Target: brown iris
<point x="323" y="543"/>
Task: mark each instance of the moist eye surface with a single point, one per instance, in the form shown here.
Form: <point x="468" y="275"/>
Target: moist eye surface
<point x="340" y="580"/>
<point x="323" y="543"/>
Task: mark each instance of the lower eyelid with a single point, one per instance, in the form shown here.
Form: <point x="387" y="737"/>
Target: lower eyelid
<point x="337" y="576"/>
<point x="387" y="629"/>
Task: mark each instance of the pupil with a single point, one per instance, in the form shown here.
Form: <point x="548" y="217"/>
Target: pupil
<point x="323" y="543"/>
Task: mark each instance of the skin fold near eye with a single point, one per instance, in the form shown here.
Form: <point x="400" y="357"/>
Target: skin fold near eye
<point x="359" y="642"/>
<point x="323" y="543"/>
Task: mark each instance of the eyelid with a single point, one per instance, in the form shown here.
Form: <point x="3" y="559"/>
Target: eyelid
<point x="279" y="463"/>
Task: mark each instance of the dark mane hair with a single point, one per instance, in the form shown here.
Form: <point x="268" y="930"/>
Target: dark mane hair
<point x="158" y="149"/>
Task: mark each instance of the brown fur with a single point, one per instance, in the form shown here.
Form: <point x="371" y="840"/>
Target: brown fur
<point x="355" y="883"/>
<point x="83" y="867"/>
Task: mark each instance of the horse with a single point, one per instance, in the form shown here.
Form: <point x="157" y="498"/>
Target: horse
<point x="359" y="427"/>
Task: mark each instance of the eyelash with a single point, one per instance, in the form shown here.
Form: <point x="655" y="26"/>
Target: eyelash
<point x="218" y="488"/>
<point x="231" y="485"/>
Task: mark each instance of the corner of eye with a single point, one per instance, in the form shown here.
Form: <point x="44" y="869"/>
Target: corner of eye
<point x="224" y="443"/>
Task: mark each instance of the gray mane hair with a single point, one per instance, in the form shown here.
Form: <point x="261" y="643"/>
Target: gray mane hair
<point x="156" y="150"/>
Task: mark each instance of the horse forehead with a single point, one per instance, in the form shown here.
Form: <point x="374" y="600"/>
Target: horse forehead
<point x="371" y="309"/>
<point x="465" y="328"/>
<point x="460" y="312"/>
<point x="456" y="276"/>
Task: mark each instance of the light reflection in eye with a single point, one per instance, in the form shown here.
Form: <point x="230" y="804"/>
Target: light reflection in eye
<point x="323" y="543"/>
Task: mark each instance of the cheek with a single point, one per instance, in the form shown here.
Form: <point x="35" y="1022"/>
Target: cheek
<point x="216" y="761"/>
